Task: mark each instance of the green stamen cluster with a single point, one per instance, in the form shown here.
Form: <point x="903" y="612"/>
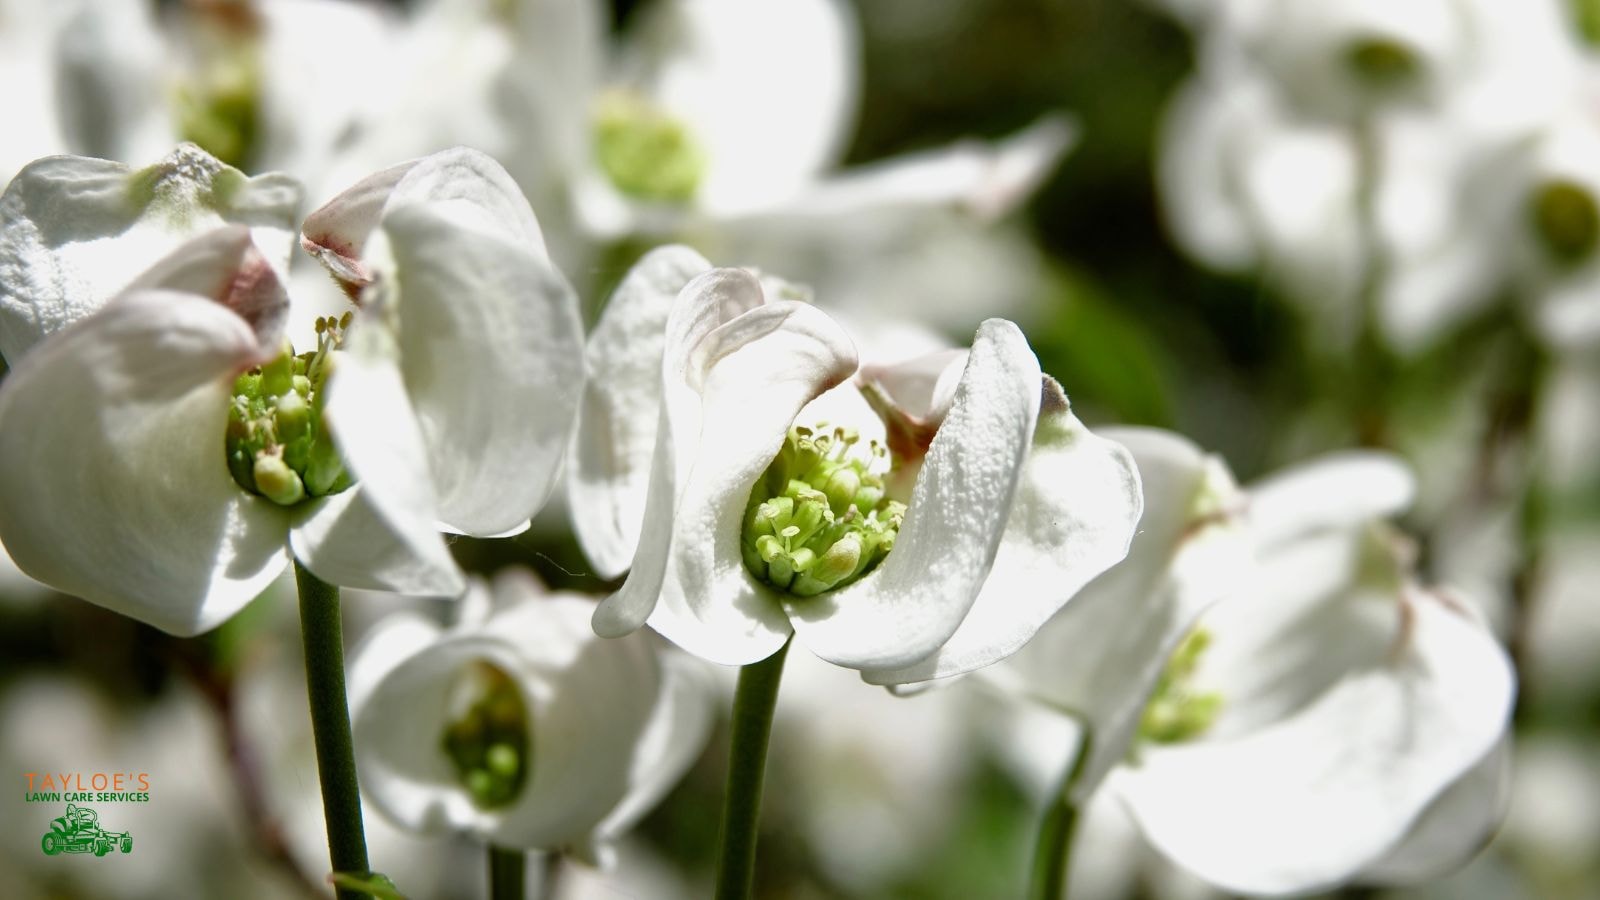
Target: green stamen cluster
<point x="1176" y="712"/>
<point x="647" y="154"/>
<point x="818" y="519"/>
<point x="488" y="742"/>
<point x="1382" y="63"/>
<point x="1567" y="220"/>
<point x="277" y="443"/>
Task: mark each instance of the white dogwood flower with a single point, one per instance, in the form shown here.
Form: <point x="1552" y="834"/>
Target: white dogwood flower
<point x="161" y="442"/>
<point x="891" y="521"/>
<point x="1314" y="718"/>
<point x="1320" y="144"/>
<point x="518" y="726"/>
<point x="705" y="111"/>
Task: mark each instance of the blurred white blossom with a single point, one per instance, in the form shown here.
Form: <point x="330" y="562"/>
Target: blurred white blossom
<point x="1327" y="719"/>
<point x="518" y="726"/>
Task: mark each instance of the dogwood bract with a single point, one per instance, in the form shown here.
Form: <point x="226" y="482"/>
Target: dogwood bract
<point x="1327" y="719"/>
<point x="161" y="442"/>
<point x="518" y="725"/>
<point x="891" y="520"/>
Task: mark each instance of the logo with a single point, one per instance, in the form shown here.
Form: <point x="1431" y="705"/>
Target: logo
<point x="80" y="831"/>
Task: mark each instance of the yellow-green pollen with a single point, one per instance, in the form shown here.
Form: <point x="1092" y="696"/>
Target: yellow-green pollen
<point x="1382" y="63"/>
<point x="278" y="445"/>
<point x="647" y="154"/>
<point x="486" y="741"/>
<point x="818" y="518"/>
<point x="1176" y="711"/>
<point x="1567" y="220"/>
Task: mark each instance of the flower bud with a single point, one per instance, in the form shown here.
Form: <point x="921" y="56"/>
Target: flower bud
<point x="292" y="417"/>
<point x="1566" y="219"/>
<point x="276" y="481"/>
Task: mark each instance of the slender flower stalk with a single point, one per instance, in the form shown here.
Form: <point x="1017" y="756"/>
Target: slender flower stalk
<point x="753" y="703"/>
<point x="1052" y="851"/>
<point x="508" y="873"/>
<point x="321" y="633"/>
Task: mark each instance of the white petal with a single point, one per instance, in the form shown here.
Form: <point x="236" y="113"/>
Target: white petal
<point x="394" y="639"/>
<point x="113" y="483"/>
<point x="110" y="90"/>
<point x="671" y="742"/>
<point x="1073" y="518"/>
<point x="705" y="303"/>
<point x="608" y="473"/>
<point x="918" y="596"/>
<point x="490" y="345"/>
<point x="769" y="92"/>
<point x="337" y="233"/>
<point x="225" y="265"/>
<point x="923" y="387"/>
<point x="304" y="47"/>
<point x="1100" y="656"/>
<point x="1314" y="798"/>
<point x="987" y="179"/>
<point x="346" y="540"/>
<point x="1199" y="196"/>
<point x="75" y="231"/>
<point x="377" y="433"/>
<point x="1333" y="491"/>
<point x="754" y="373"/>
<point x="27" y="55"/>
<point x="1454" y="827"/>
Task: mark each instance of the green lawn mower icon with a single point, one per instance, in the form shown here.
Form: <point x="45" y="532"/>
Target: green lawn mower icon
<point x="79" y="831"/>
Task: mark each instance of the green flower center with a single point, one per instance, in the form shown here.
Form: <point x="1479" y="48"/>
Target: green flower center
<point x="818" y="518"/>
<point x="278" y="445"/>
<point x="487" y="737"/>
<point x="1176" y="711"/>
<point x="219" y="107"/>
<point x="647" y="154"/>
<point x="1382" y="63"/>
<point x="1567" y="220"/>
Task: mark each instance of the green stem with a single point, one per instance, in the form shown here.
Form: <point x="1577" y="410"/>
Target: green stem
<point x="508" y="873"/>
<point x="1052" y="854"/>
<point x="321" y="632"/>
<point x="1374" y="361"/>
<point x="753" y="703"/>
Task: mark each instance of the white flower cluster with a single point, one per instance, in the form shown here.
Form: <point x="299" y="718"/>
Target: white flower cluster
<point x="1402" y="166"/>
<point x="1257" y="673"/>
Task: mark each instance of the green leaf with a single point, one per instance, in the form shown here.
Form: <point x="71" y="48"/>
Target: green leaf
<point x="373" y="884"/>
<point x="1107" y="360"/>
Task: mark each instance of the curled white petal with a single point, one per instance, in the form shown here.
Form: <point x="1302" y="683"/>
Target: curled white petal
<point x="113" y="482"/>
<point x="376" y="431"/>
<point x="608" y="474"/>
<point x="1315" y="797"/>
<point x="345" y="539"/>
<point x="1334" y="491"/>
<point x="1073" y="518"/>
<point x="490" y="346"/>
<point x="919" y="595"/>
<point x="754" y="374"/>
<point x="704" y="304"/>
<point x="985" y="178"/>
<point x="75" y="231"/>
<point x="1098" y="658"/>
<point x="1454" y="828"/>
